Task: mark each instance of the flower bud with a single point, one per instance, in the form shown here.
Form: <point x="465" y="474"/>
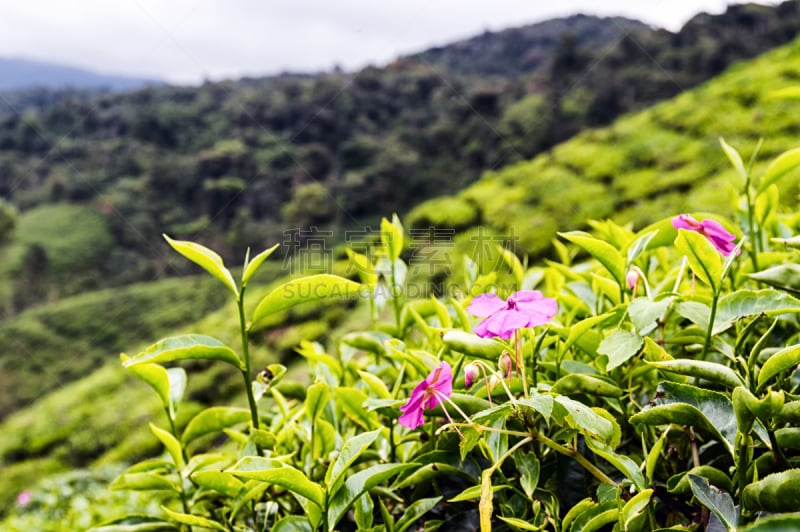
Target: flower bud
<point x="505" y="364"/>
<point x="634" y="274"/>
<point x="494" y="380"/>
<point x="471" y="374"/>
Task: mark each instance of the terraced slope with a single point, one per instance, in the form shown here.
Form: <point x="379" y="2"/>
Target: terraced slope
<point x="666" y="159"/>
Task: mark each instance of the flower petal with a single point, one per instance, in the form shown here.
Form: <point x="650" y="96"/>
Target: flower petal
<point x="485" y="305"/>
<point x="684" y="221"/>
<point x="522" y="296"/>
<point x="546" y="307"/>
<point x="502" y="324"/>
<point x="412" y="419"/>
<point x="444" y="382"/>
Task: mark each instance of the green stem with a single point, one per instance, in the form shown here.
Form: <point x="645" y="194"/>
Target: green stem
<point x="578" y="457"/>
<point x="395" y="301"/>
<point x="710" y="329"/>
<point x="521" y="362"/>
<point x="248" y="386"/>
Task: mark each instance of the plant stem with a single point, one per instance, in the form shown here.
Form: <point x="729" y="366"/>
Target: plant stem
<point x="521" y="362"/>
<point x="710" y="330"/>
<point x="395" y="301"/>
<point x="246" y="359"/>
<point x="578" y="457"/>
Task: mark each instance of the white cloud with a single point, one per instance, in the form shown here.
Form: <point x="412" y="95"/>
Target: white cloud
<point x="189" y="40"/>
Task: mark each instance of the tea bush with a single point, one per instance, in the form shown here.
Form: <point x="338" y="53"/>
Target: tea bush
<point x="645" y="380"/>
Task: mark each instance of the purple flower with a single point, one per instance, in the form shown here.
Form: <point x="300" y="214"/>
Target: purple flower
<point x="526" y="308"/>
<point x="428" y="393"/>
<point x="713" y="231"/>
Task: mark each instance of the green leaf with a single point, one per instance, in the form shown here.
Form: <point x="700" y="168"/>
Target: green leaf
<point x="474" y="492"/>
<point x="542" y="404"/>
<point x="734" y="158"/>
<point x="143" y="482"/>
<point x="779" y="167"/>
<point x="206" y="259"/>
<point x="253" y="266"/>
<point x="519" y="524"/>
<point x="775" y="523"/>
<point x="586" y="420"/>
<point x="358" y="484"/>
<point x="177" y="386"/>
<point x="425" y="474"/>
<point x="716" y="500"/>
<point x="416" y="510"/>
<point x="349" y="453"/>
<point x="186" y="347"/>
<point x="792" y="242"/>
<point x="528" y="467"/>
<point x="392" y="237"/>
<point x="578" y="383"/>
<point x="287" y="477"/>
<point x="214" y="419"/>
<point x="219" y="481"/>
<point x="136" y="523"/>
<point x="639" y="245"/>
<point x="473" y="345"/>
<point x="363" y="512"/>
<point x="154" y="375"/>
<point x="745" y="303"/>
<point x="351" y="401"/>
<point x="293" y="523"/>
<point x="684" y="404"/>
<point x="304" y="290"/>
<point x="784" y="277"/>
<point x="635" y="507"/>
<point x="604" y="253"/>
<point x="193" y="520"/>
<point x="513" y="263"/>
<point x="645" y="313"/>
<point x="624" y="464"/>
<point x="710" y="371"/>
<point x="704" y="259"/>
<point x="620" y="346"/>
<point x="774" y="493"/>
<point x="317" y="398"/>
<point x="172" y="445"/>
<point x="783" y="360"/>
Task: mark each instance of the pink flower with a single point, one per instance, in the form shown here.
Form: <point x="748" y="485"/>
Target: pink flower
<point x="526" y="308"/>
<point x="713" y="231"/>
<point x="24" y="498"/>
<point x="428" y="393"/>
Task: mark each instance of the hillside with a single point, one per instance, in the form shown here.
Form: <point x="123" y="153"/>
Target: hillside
<point x="235" y="164"/>
<point x="663" y="160"/>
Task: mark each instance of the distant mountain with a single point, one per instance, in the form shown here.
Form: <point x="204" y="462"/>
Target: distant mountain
<point x="17" y="74"/>
<point x="526" y="49"/>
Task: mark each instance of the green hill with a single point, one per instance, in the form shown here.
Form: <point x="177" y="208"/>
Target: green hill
<point x="647" y="165"/>
<point x="235" y="164"/>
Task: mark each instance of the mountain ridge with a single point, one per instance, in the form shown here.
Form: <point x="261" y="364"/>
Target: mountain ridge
<point x="17" y="73"/>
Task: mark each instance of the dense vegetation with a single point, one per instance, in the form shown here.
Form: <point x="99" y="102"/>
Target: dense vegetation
<point x="237" y="163"/>
<point x="644" y="167"/>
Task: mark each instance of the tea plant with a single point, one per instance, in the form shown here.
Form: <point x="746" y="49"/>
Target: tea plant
<point x="644" y="381"/>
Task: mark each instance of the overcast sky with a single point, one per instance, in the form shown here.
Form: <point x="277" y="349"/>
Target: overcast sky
<point x="187" y="41"/>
